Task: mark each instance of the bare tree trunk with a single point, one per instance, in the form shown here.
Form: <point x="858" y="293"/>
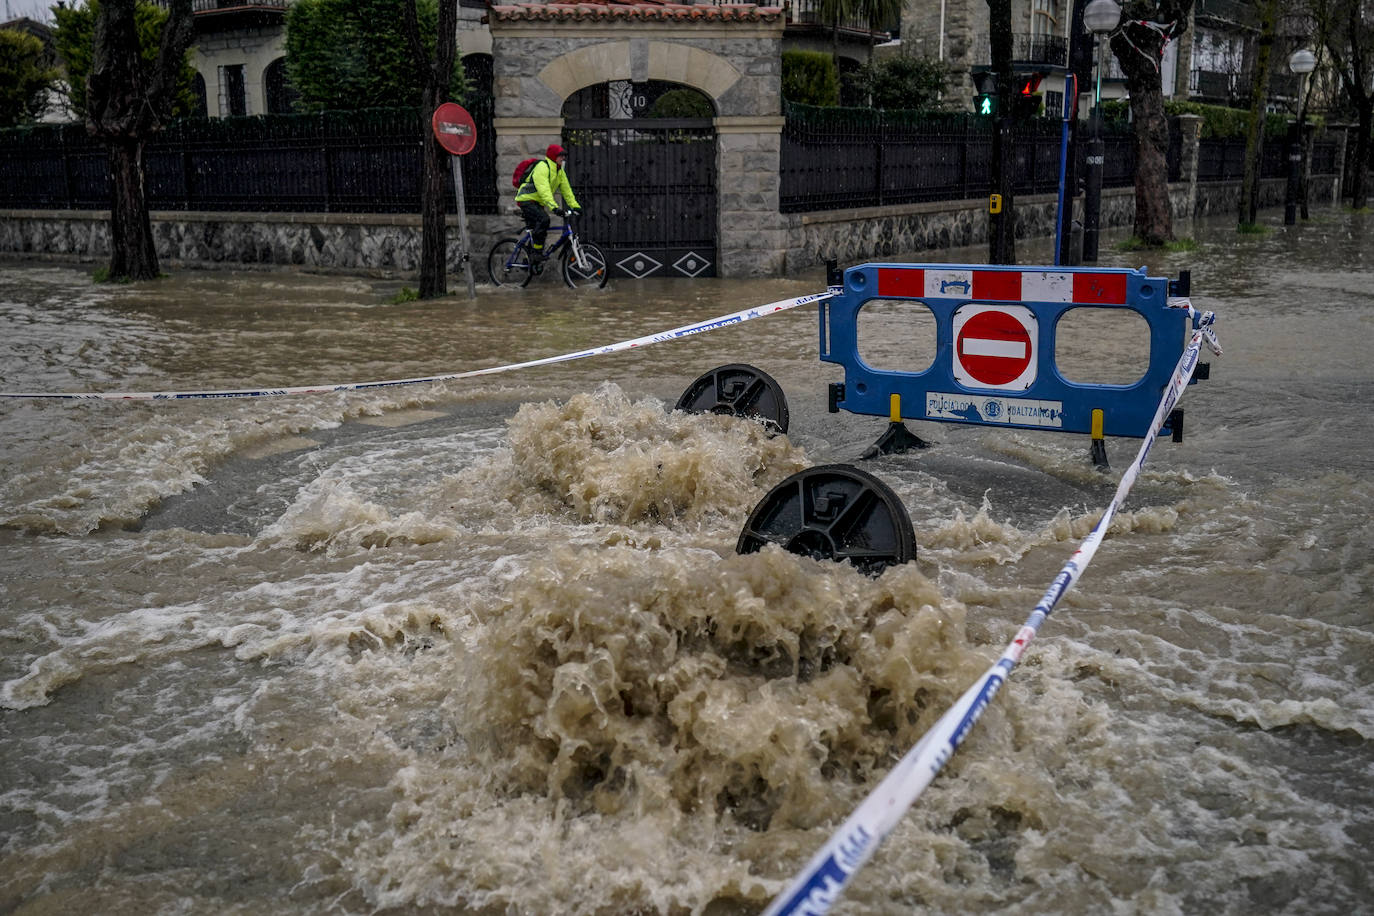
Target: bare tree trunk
<point x="1259" y="97"/>
<point x="127" y="102"/>
<point x="434" y="180"/>
<point x="1138" y="45"/>
<point x="1154" y="218"/>
<point x="133" y="256"/>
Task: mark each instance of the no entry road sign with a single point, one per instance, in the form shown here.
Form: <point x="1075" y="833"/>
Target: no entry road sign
<point x="994" y="347"/>
<point x="454" y="129"/>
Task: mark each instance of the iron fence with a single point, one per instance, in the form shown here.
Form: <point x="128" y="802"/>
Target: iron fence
<point x="1322" y="160"/>
<point x="834" y="158"/>
<point x="831" y="158"/>
<point x="351" y="162"/>
<point x="1224" y="159"/>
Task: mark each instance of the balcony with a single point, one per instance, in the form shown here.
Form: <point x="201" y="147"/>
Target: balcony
<point x="1052" y="50"/>
<point x="222" y="15"/>
<point x="1028" y="52"/>
<point x="1219" y="87"/>
<point x="1226" y="12"/>
<point x="207" y="6"/>
<point x="803" y="17"/>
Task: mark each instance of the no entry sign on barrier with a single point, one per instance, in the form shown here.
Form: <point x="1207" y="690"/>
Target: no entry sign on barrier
<point x="995" y="347"/>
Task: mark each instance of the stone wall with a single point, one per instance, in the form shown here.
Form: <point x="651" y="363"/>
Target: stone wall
<point x="854" y="236"/>
<point x="390" y="244"/>
<point x="364" y="243"/>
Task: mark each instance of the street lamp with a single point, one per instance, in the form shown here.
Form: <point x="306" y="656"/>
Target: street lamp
<point x="1301" y="62"/>
<point x="1101" y="17"/>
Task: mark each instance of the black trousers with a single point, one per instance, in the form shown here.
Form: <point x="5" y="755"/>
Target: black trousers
<point x="536" y="221"/>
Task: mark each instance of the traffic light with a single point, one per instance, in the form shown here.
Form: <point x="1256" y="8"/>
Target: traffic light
<point x="1026" y="102"/>
<point x="985" y="102"/>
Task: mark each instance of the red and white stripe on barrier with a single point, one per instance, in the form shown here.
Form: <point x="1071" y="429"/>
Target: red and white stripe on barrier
<point x="1088" y="287"/>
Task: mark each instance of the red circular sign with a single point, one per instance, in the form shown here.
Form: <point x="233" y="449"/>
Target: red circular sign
<point x="454" y="129"/>
<point x="994" y="347"/>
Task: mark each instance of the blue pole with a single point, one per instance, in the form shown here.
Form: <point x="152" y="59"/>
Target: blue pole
<point x="1070" y="102"/>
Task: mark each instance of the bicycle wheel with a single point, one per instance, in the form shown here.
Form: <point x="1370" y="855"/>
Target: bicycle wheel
<point x="508" y="267"/>
<point x="594" y="274"/>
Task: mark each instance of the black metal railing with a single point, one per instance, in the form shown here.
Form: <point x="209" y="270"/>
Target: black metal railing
<point x="1026" y="48"/>
<point x="809" y="12"/>
<point x="1224" y="159"/>
<point x="203" y="6"/>
<point x="835" y="158"/>
<point x="1323" y="158"/>
<point x="1040" y="49"/>
<point x="1235" y="12"/>
<point x="370" y="161"/>
<point x="351" y="162"/>
<point x="1218" y="84"/>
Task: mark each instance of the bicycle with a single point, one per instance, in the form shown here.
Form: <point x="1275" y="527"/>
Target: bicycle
<point x="511" y="261"/>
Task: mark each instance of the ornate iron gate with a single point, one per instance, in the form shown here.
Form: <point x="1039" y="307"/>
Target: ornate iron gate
<point x="648" y="192"/>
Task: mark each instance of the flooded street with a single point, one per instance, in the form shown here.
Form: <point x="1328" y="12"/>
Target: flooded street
<point x="484" y="645"/>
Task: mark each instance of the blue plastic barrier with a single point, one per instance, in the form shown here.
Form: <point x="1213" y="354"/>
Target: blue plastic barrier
<point x="996" y="333"/>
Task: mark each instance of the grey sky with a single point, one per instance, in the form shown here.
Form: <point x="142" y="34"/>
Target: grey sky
<point x="40" y="10"/>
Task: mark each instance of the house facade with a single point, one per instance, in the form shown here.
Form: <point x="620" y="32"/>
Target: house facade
<point x="239" y="53"/>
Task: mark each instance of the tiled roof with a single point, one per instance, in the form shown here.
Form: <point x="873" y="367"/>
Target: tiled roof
<point x="582" y="10"/>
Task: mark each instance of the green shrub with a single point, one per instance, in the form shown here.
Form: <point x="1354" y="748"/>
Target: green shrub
<point x="810" y="77"/>
<point x="1218" y="121"/>
<point x="682" y="103"/>
<point x="905" y="82"/>
<point x="346" y="54"/>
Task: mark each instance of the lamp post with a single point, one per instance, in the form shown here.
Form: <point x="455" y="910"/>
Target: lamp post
<point x="1101" y="17"/>
<point x="1301" y="62"/>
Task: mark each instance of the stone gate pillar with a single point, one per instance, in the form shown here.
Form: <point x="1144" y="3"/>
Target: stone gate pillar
<point x="753" y="237"/>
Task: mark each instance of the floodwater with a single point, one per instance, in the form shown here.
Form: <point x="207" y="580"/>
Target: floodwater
<point x="484" y="646"/>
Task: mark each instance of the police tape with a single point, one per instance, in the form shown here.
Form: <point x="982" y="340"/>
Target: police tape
<point x="820" y="883"/>
<point x="687" y="330"/>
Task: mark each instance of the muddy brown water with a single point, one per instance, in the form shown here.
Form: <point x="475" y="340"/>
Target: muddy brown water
<point x="484" y="646"/>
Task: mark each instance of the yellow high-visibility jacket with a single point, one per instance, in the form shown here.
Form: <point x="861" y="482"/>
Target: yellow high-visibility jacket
<point x="542" y="181"/>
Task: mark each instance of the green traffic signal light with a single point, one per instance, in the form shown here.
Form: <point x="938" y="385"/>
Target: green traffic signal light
<point x="985" y="104"/>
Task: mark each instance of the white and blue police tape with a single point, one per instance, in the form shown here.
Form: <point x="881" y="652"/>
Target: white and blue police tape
<point x="820" y="883"/>
<point x="686" y="330"/>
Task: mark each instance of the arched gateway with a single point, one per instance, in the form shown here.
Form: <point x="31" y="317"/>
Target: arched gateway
<point x="683" y="101"/>
<point x="642" y="159"/>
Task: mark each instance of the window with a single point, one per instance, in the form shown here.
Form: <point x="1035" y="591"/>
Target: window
<point x="281" y="97"/>
<point x="233" y="94"/>
<point x="202" y="107"/>
<point x="1045" y="17"/>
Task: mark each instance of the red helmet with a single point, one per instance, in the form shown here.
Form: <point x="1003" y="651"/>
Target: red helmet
<point x="554" y="151"/>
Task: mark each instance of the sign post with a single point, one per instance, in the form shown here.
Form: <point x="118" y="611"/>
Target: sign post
<point x="456" y="132"/>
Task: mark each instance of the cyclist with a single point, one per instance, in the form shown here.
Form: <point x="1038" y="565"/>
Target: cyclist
<point x="535" y="195"/>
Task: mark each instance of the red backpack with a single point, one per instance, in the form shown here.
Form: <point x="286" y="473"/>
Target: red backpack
<point x="522" y="170"/>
